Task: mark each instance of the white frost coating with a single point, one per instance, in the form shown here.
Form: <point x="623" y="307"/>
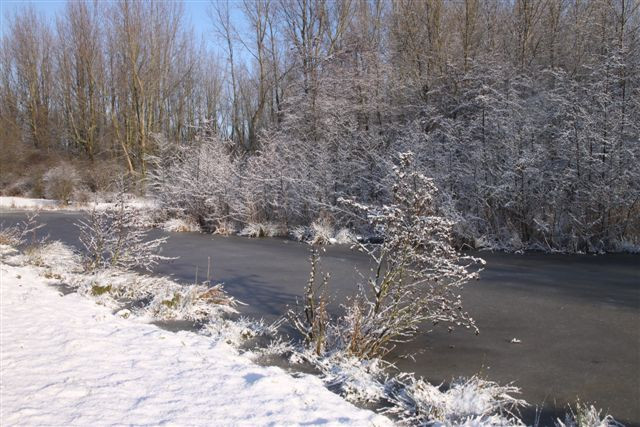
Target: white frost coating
<point x="25" y="203"/>
<point x="67" y="361"/>
<point x="48" y="204"/>
<point x="180" y="225"/>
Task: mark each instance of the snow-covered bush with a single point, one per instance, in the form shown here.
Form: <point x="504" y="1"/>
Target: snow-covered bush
<point x="224" y="228"/>
<point x="26" y="232"/>
<point x="418" y="272"/>
<point x="181" y="225"/>
<point x="197" y="181"/>
<point x="312" y="321"/>
<point x="111" y="238"/>
<point x="344" y="237"/>
<point x="19" y="187"/>
<point x="301" y="233"/>
<point x="321" y="232"/>
<point x="416" y="277"/>
<point x="263" y="230"/>
<point x="60" y="182"/>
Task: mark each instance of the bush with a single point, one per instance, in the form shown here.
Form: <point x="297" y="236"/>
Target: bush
<point x="111" y="238"/>
<point x="181" y="225"/>
<point x="23" y="233"/>
<point x="258" y="230"/>
<point x="416" y="277"/>
<point x="322" y="231"/>
<point x="60" y="182"/>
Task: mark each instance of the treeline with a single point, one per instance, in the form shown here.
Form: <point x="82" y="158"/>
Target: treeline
<point x="526" y="112"/>
<point x="101" y="79"/>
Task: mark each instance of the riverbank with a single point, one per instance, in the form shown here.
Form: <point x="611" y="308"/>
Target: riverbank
<point x="318" y="232"/>
<point x="573" y="315"/>
<point x="68" y="361"/>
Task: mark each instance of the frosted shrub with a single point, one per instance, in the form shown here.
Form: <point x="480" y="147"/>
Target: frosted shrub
<point x="181" y="225"/>
<point x="301" y="233"/>
<point x="322" y="232"/>
<point x="254" y="230"/>
<point x="60" y="182"/>
<point x="197" y="181"/>
<point x="345" y="237"/>
<point x="263" y="230"/>
<point x="416" y="277"/>
<point x="417" y="274"/>
<point x="26" y="232"/>
<point x="313" y="320"/>
<point x="111" y="238"/>
<point x="225" y="228"/>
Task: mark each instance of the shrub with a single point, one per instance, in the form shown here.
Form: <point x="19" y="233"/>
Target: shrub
<point x="24" y="233"/>
<point x="111" y="238"/>
<point x="180" y="225"/>
<point x="322" y="232"/>
<point x="345" y="237"/>
<point x="224" y="228"/>
<point x="416" y="278"/>
<point x="257" y="230"/>
<point x="60" y="182"/>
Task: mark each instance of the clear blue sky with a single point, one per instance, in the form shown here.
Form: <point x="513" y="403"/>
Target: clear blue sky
<point x="196" y="15"/>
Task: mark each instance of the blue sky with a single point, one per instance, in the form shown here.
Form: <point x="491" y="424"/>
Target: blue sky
<point x="195" y="14"/>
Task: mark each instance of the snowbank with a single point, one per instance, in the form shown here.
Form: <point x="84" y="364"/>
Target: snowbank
<point x="68" y="361"/>
<point x="47" y="204"/>
<point x="24" y="203"/>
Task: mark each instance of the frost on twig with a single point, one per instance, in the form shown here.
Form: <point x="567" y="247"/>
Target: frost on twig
<point x="111" y="238"/>
<point x="24" y="233"/>
<point x="417" y="273"/>
<point x="312" y="321"/>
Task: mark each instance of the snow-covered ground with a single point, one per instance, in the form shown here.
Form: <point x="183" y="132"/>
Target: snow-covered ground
<point x="66" y="361"/>
<point x="47" y="204"/>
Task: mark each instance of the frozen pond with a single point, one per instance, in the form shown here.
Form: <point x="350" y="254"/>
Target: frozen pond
<point x="577" y="316"/>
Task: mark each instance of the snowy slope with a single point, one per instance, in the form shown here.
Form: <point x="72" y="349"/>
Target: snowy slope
<point x="67" y="361"/>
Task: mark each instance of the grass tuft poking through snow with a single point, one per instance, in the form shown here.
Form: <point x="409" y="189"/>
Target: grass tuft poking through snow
<point x="54" y="256"/>
<point x="472" y="401"/>
<point x="587" y="416"/>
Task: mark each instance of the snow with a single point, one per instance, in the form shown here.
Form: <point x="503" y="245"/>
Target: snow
<point x="25" y="203"/>
<point x="67" y="361"/>
<point x="181" y="225"/>
<point x="48" y="204"/>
